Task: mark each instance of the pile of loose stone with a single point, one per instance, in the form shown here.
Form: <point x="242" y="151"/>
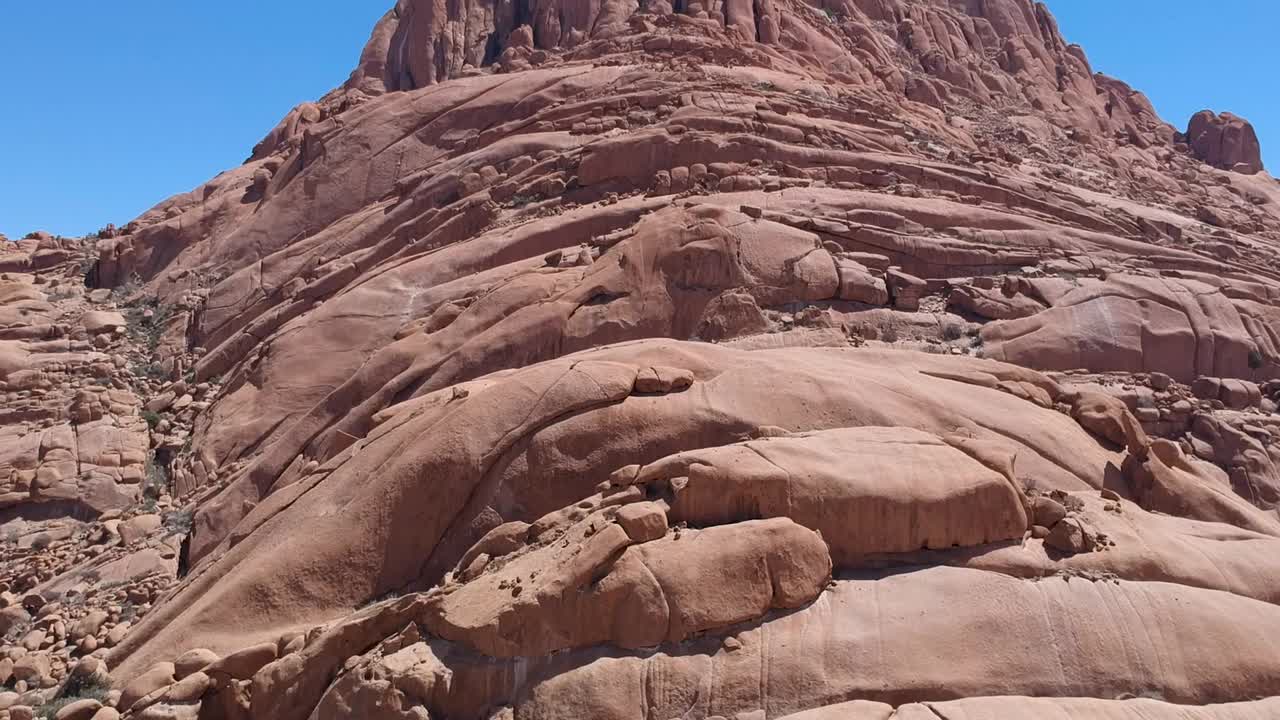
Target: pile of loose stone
<point x="90" y="531"/>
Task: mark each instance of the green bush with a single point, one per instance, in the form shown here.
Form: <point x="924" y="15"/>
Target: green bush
<point x="75" y="690"/>
<point x="149" y="370"/>
<point x="148" y="330"/>
<point x="179" y="522"/>
<point x="154" y="484"/>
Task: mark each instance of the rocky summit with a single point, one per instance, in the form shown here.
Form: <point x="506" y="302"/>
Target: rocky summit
<point x="706" y="359"/>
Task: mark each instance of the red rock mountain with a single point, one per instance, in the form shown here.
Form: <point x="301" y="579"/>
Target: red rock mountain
<point x="769" y="359"/>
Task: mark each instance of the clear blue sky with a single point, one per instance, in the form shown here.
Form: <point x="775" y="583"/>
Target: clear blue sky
<point x="111" y="107"/>
<point x="1188" y="56"/>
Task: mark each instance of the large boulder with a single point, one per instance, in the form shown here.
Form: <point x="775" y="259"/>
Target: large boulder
<point x="1225" y="141"/>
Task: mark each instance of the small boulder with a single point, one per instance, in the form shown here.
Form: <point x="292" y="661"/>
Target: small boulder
<point x="31" y="667"/>
<point x="857" y="284"/>
<point x="157" y="678"/>
<point x="292" y="643"/>
<point x="189" y="689"/>
<point x="102" y="321"/>
<point x="1108" y="417"/>
<point x="905" y="289"/>
<point x="242" y="664"/>
<point x="473" y="569"/>
<point x="88" y="625"/>
<point x="1071" y="535"/>
<point x="193" y="661"/>
<point x="84" y="709"/>
<point x="139" y="527"/>
<point x="12" y="617"/>
<point x="116" y="634"/>
<point x="643" y="521"/>
<point x="1047" y="511"/>
<point x="502" y="540"/>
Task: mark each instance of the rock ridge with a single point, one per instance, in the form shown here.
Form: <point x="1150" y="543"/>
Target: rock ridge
<point x="630" y="360"/>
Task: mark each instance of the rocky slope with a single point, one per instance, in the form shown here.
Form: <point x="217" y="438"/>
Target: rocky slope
<point x="851" y="359"/>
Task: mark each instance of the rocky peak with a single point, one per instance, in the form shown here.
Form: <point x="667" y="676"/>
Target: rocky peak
<point x="940" y="54"/>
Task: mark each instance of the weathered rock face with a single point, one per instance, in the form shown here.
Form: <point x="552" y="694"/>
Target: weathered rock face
<point x="73" y="440"/>
<point x="90" y="536"/>
<point x="1225" y="141"/>
<point x="698" y="359"/>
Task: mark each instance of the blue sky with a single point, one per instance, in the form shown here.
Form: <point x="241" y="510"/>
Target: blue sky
<point x="111" y="107"/>
<point x="1188" y="56"/>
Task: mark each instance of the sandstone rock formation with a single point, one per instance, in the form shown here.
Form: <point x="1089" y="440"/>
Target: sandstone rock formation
<point x="1225" y="141"/>
<point x="871" y="358"/>
<point x="92" y="537"/>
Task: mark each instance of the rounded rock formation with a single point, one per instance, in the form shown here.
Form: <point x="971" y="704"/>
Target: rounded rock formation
<point x="633" y="360"/>
<point x="1225" y="141"/>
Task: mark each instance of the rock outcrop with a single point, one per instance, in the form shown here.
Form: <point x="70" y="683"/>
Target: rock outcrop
<point x="91" y="534"/>
<point x="646" y="360"/>
<point x="1225" y="141"/>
